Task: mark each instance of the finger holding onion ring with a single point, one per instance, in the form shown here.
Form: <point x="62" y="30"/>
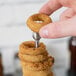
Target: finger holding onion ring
<point x="36" y="21"/>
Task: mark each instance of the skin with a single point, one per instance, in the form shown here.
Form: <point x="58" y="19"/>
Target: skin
<point x="66" y="26"/>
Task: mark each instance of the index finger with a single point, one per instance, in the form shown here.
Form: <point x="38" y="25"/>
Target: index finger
<point x="50" y="7"/>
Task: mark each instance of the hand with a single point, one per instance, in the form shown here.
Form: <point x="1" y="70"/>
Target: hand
<point x="66" y="26"/>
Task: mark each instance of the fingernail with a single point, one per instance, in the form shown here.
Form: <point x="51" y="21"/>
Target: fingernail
<point x="44" y="32"/>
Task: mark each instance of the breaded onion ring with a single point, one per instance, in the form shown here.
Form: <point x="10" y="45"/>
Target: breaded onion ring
<point x="33" y="58"/>
<point x="36" y="21"/>
<point x="36" y="73"/>
<point x="28" y="48"/>
<point x="37" y="66"/>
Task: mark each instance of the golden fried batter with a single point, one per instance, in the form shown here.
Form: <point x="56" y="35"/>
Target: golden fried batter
<point x="28" y="48"/>
<point x="38" y="65"/>
<point x="35" y="61"/>
<point x="36" y="73"/>
<point x="33" y="24"/>
<point x="34" y="58"/>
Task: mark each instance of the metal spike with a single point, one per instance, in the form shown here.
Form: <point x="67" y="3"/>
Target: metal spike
<point x="37" y="38"/>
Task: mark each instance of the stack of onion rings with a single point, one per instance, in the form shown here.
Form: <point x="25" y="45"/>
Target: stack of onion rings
<point x="35" y="60"/>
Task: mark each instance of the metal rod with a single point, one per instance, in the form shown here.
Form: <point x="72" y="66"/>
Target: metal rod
<point x="37" y="38"/>
<point x="36" y="44"/>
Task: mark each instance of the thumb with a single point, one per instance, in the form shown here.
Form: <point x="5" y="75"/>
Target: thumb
<point x="59" y="29"/>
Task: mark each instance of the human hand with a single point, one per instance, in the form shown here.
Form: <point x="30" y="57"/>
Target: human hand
<point x="66" y="26"/>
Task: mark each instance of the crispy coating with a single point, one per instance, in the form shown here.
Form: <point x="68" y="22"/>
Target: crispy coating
<point x="33" y="58"/>
<point x="36" y="73"/>
<point x="28" y="48"/>
<point x="38" y="65"/>
<point x="34" y="25"/>
<point x="35" y="61"/>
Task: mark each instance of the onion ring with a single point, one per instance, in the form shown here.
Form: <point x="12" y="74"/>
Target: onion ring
<point x="36" y="73"/>
<point x="37" y="66"/>
<point x="28" y="48"/>
<point x="33" y="58"/>
<point x="36" y="21"/>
